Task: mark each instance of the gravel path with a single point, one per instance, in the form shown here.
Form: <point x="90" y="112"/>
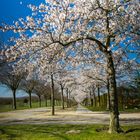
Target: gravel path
<point x="68" y="116"/>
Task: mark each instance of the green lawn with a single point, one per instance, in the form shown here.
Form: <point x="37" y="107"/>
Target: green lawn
<point x="101" y="108"/>
<point x="65" y="132"/>
<point x="21" y="106"/>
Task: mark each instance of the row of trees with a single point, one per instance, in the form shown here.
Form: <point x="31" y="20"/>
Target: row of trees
<point x="87" y="34"/>
<point x="17" y="79"/>
<point x="128" y="97"/>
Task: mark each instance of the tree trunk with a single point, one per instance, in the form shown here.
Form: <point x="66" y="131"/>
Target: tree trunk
<point x="69" y="100"/>
<point x="86" y="102"/>
<point x="14" y="100"/>
<point x="91" y="98"/>
<point x="62" y="96"/>
<point x="57" y="103"/>
<point x="99" y="101"/>
<point x="108" y="96"/>
<point x="30" y="100"/>
<point x="46" y="103"/>
<point x="39" y="101"/>
<point x="104" y="100"/>
<point x="94" y="96"/>
<point x="67" y="92"/>
<point x="122" y="98"/>
<point x="52" y="96"/>
<point x="50" y="101"/>
<point x="114" y="113"/>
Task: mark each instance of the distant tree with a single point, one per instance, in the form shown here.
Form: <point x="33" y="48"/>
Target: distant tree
<point x="28" y="86"/>
<point x="62" y="78"/>
<point x="12" y="80"/>
<point x="26" y="101"/>
<point x="46" y="91"/>
<point x="38" y="92"/>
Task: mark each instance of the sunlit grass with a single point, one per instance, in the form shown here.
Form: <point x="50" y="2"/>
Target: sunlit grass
<point x="62" y="132"/>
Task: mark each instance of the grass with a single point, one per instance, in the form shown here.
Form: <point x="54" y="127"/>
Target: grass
<point x="102" y="108"/>
<point x="60" y="132"/>
<point x="21" y="106"/>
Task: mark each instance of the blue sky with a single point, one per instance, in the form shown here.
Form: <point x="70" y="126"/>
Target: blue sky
<point x="11" y="10"/>
<point x="6" y="92"/>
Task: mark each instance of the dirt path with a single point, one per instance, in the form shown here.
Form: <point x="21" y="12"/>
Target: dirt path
<point x="68" y="116"/>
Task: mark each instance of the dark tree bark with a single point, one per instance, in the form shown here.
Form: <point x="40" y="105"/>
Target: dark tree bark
<point x="52" y="96"/>
<point x="121" y="91"/>
<point x="67" y="92"/>
<point x="14" y="99"/>
<point x="30" y="99"/>
<point x="122" y="98"/>
<point x="104" y="100"/>
<point x="62" y="96"/>
<point x="94" y="96"/>
<point x="50" y="100"/>
<point x="39" y="101"/>
<point x="46" y="103"/>
<point x="108" y="96"/>
<point x="99" y="100"/>
<point x="91" y="98"/>
<point x="69" y="99"/>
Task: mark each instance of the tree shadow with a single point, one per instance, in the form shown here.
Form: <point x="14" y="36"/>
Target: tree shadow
<point x="132" y="130"/>
<point x="103" y="129"/>
<point x="2" y="131"/>
<point x="36" y="129"/>
<point x="9" y="135"/>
